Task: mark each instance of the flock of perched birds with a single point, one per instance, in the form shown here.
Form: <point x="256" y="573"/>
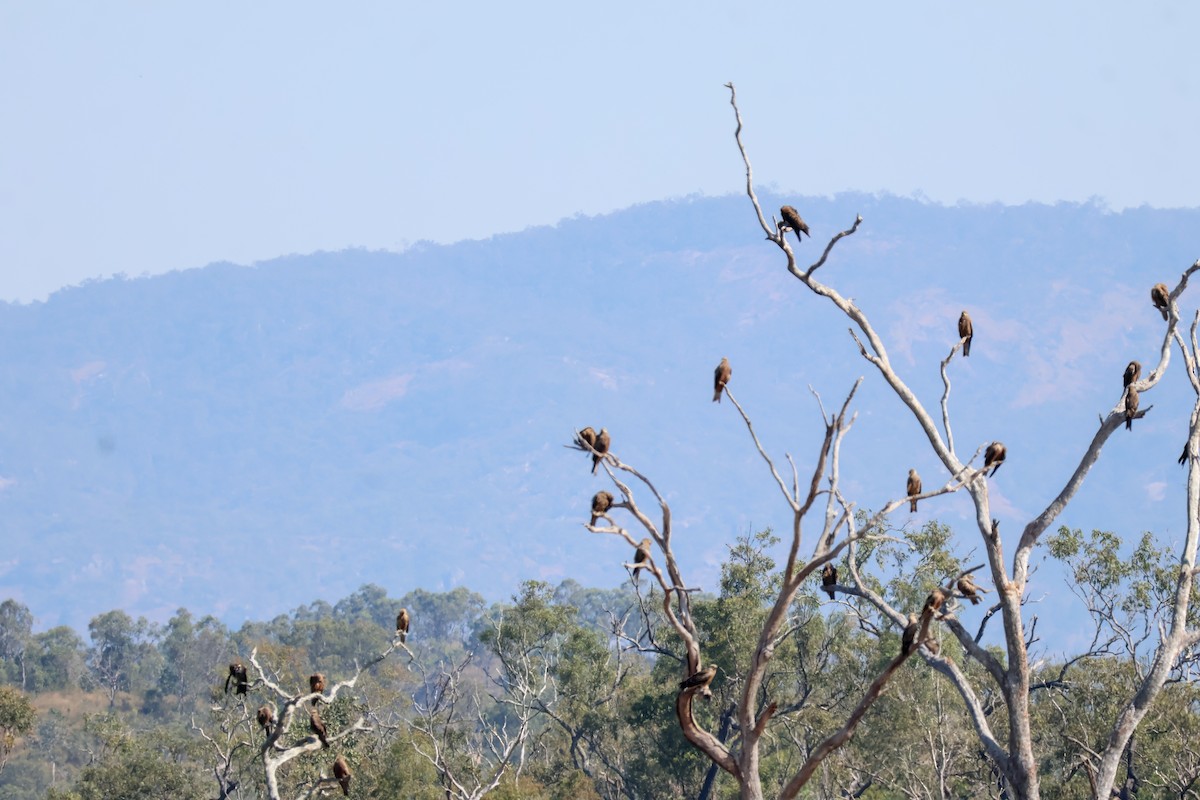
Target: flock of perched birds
<point x="239" y="678"/>
<point x="598" y="445"/>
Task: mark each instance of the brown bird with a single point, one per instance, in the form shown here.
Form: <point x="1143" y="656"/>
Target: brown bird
<point x="829" y="578"/>
<point x="914" y="488"/>
<point x="1160" y="295"/>
<point x="933" y="603"/>
<point x="402" y="624"/>
<point x="341" y="771"/>
<point x="994" y="454"/>
<point x="1131" y="405"/>
<point x="720" y="378"/>
<point x="266" y="718"/>
<point x="641" y="555"/>
<point x="792" y="219"/>
<point x="909" y="639"/>
<point x="587" y="437"/>
<point x="317" y="726"/>
<point x="316" y="683"/>
<point x="1132" y="372"/>
<point x="966" y="332"/>
<point x="237" y="673"/>
<point x="601" y="503"/>
<point x="603" y="440"/>
<point x="699" y="680"/>
<point x="969" y="590"/>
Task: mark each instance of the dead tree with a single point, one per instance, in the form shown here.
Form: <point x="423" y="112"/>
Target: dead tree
<point x="1012" y="750"/>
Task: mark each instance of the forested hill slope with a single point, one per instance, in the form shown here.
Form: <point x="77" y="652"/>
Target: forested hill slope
<point x="238" y="440"/>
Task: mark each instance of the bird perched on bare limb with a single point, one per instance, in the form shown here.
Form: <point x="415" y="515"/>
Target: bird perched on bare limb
<point x="1160" y="295"/>
<point x="829" y="578"/>
<point x="341" y="771"/>
<point x="909" y="639"/>
<point x="791" y="218"/>
<point x="317" y="726"/>
<point x="266" y="718"/>
<point x="914" y="488"/>
<point x="402" y="624"/>
<point x="603" y="440"/>
<point x="641" y="556"/>
<point x="1132" y="372"/>
<point x="1131" y="406"/>
<point x="966" y="332"/>
<point x="237" y="674"/>
<point x="699" y="681"/>
<point x="934" y="602"/>
<point x="586" y="438"/>
<point x="601" y="503"/>
<point x="720" y="378"/>
<point x="316" y="684"/>
<point x="994" y="454"/>
<point x="969" y="590"/>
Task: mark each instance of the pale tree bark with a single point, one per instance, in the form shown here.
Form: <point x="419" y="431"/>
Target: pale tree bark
<point x="1013" y="752"/>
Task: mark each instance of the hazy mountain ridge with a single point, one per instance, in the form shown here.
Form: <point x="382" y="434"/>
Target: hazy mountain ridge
<point x="344" y="418"/>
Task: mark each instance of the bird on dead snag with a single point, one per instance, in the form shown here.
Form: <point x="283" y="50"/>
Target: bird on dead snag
<point x="995" y="454"/>
<point x="266" y="718"/>
<point x="237" y="673"/>
<point x="966" y="332"/>
<point x="1131" y="406"/>
<point x="1132" y="372"/>
<point x="316" y="685"/>
<point x="933" y="603"/>
<point x="829" y="579"/>
<point x="721" y="377"/>
<point x="969" y="590"/>
<point x="699" y="681"/>
<point x="586" y="438"/>
<point x="402" y="624"/>
<point x="641" y="556"/>
<point x="317" y="726"/>
<point x="1160" y="295"/>
<point x="601" y="503"/>
<point x="603" y="440"/>
<point x="791" y="218"/>
<point x="909" y="638"/>
<point x="913" y="487"/>
<point x="341" y="771"/>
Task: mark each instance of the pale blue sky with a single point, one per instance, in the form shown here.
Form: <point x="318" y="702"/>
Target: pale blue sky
<point x="150" y="137"/>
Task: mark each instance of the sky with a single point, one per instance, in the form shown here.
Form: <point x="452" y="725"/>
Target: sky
<point x="142" y="138"/>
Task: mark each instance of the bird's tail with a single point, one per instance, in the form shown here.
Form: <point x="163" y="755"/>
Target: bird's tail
<point x="1165" y="314"/>
<point x="595" y="463"/>
<point x="912" y="507"/>
<point x="1128" y="422"/>
<point x="717" y="395"/>
<point x="974" y="600"/>
<point x="967" y="347"/>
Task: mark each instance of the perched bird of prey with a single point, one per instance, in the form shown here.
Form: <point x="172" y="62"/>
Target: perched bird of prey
<point x="994" y="454"/>
<point x="641" y="555"/>
<point x="720" y="378"/>
<point x="1131" y="405"/>
<point x="341" y="771"/>
<point x="914" y="489"/>
<point x="909" y="639"/>
<point x="1160" y="295"/>
<point x="317" y="726"/>
<point x="792" y="219"/>
<point x="829" y="578"/>
<point x="966" y="331"/>
<point x="316" y="683"/>
<point x="603" y="440"/>
<point x="1132" y="372"/>
<point x="237" y="674"/>
<point x="266" y="718"/>
<point x="1183" y="457"/>
<point x="933" y="603"/>
<point x="699" y="680"/>
<point x="601" y="502"/>
<point x="969" y="590"/>
<point x="587" y="437"/>
<point x="402" y="624"/>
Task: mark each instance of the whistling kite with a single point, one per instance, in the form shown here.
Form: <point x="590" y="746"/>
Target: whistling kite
<point x="587" y="436"/>
<point x="969" y="590"/>
<point x="1131" y="404"/>
<point x="641" y="555"/>
<point x="829" y="578"/>
<point x="341" y="771"/>
<point x="994" y="454"/>
<point x="1132" y="372"/>
<point x="1160" y="295"/>
<point x="914" y="489"/>
<point x="909" y="639"/>
<point x="237" y="673"/>
<point x="603" y="440"/>
<point x="266" y="718"/>
<point x="317" y="726"/>
<point x="934" y="602"/>
<point x="793" y="221"/>
<point x="402" y="624"/>
<point x="720" y="378"/>
<point x="699" y="680"/>
<point x="601" y="502"/>
<point x="316" y="684"/>
<point x="966" y="332"/>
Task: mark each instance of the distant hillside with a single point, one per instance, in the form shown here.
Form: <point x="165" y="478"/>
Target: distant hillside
<point x="238" y="440"/>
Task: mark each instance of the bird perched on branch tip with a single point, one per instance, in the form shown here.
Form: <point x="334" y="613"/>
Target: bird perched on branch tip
<point x="966" y="332"/>
<point x="791" y="218"/>
<point x="720" y="378"/>
<point x="603" y="441"/>
<point x="1160" y="295"/>
<point x="601" y="502"/>
<point x="995" y="454"/>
